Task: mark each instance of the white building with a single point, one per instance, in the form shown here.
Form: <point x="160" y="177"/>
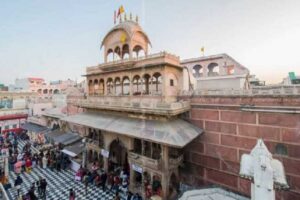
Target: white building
<point x="214" y="72"/>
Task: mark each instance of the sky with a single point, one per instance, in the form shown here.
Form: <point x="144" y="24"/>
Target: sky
<point x="59" y="39"/>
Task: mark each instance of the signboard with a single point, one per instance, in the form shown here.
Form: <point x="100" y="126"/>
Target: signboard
<point x="104" y="153"/>
<point x="137" y="168"/>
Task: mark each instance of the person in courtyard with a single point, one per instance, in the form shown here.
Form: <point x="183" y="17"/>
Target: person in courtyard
<point x="18" y="183"/>
<point x="103" y="180"/>
<point x="44" y="161"/>
<point x="86" y="182"/>
<point x="117" y="196"/>
<point x="71" y="194"/>
<point x="44" y="187"/>
<point x="28" y="165"/>
<point x="128" y="195"/>
<point x="31" y="193"/>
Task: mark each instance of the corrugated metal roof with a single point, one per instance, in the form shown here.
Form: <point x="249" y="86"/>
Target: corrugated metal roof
<point x="33" y="127"/>
<point x="175" y="132"/>
<point x="65" y="138"/>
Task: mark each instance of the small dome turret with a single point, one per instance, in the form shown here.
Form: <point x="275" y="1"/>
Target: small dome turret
<point x="125" y="40"/>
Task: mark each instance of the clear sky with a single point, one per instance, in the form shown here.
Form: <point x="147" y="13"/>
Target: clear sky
<point x="57" y="39"/>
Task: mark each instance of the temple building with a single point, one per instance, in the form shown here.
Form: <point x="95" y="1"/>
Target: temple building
<point x="132" y="112"/>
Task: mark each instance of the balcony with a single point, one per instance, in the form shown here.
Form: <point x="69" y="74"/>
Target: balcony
<point x="138" y="104"/>
<point x="145" y="161"/>
<point x="149" y="60"/>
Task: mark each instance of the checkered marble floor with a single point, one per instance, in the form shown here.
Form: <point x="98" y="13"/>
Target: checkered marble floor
<point x="58" y="185"/>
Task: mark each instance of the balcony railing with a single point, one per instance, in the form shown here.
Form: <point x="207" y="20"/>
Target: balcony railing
<point x="146" y="60"/>
<point x="145" y="161"/>
<point x="139" y="104"/>
<point x="255" y="91"/>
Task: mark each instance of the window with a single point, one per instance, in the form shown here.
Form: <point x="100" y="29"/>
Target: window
<point x="6" y="127"/>
<point x="171" y="82"/>
<point x="137" y="146"/>
<point x="15" y="126"/>
<point x="281" y="149"/>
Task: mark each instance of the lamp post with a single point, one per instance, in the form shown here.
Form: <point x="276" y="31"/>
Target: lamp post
<point x="84" y="153"/>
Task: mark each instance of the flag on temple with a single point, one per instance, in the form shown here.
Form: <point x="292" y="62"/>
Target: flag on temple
<point x="115" y="17"/>
<point x="202" y="49"/>
<point x="121" y="10"/>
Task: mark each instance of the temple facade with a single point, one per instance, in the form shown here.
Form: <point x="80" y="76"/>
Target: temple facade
<point x="168" y="121"/>
<point x="131" y="113"/>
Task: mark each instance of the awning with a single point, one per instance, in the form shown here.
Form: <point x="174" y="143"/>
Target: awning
<point x="175" y="132"/>
<point x="73" y="150"/>
<point x="65" y="138"/>
<point x="33" y="127"/>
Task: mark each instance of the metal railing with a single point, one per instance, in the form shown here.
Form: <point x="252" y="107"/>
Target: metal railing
<point x="255" y="91"/>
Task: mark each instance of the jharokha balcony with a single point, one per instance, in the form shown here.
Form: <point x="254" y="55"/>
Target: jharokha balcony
<point x="138" y="104"/>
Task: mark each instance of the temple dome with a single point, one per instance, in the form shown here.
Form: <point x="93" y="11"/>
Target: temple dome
<point x="125" y="38"/>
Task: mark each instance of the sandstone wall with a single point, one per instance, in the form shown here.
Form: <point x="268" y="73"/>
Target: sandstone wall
<point x="214" y="157"/>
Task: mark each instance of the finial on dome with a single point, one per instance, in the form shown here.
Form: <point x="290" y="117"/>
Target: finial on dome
<point x="137" y="19"/>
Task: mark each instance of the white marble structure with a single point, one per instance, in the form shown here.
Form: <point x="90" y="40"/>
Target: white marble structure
<point x="265" y="172"/>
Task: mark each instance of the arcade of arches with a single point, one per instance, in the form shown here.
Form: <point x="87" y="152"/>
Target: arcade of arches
<point x="139" y="85"/>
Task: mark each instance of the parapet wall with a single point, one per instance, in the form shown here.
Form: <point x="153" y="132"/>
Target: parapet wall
<point x="232" y="125"/>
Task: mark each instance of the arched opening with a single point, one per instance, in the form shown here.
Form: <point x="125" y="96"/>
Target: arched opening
<point x="117" y="156"/>
<point x="50" y="91"/>
<point x="125" y="51"/>
<point x="101" y="87"/>
<point x="91" y="87"/>
<point x="157" y="84"/>
<point x="173" y="187"/>
<point x="45" y="91"/>
<point x="110" y="86"/>
<point x="137" y="85"/>
<point x="96" y="87"/>
<point x="281" y="149"/>
<point x="118" y="87"/>
<point x="197" y="71"/>
<point x="146" y="84"/>
<point x="117" y="55"/>
<point x="39" y="91"/>
<point x="138" y="51"/>
<point x="56" y="91"/>
<point x="126" y="86"/>
<point x="110" y="55"/>
<point x="213" y="69"/>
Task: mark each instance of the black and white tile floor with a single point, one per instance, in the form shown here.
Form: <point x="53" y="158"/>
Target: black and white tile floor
<point x="58" y="185"/>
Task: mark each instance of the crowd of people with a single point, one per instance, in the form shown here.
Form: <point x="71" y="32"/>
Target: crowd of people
<point x="116" y="180"/>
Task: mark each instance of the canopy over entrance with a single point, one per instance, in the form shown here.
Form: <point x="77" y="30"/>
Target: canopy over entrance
<point x="73" y="150"/>
<point x="33" y="127"/>
<point x="175" y="132"/>
<point x="65" y="138"/>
